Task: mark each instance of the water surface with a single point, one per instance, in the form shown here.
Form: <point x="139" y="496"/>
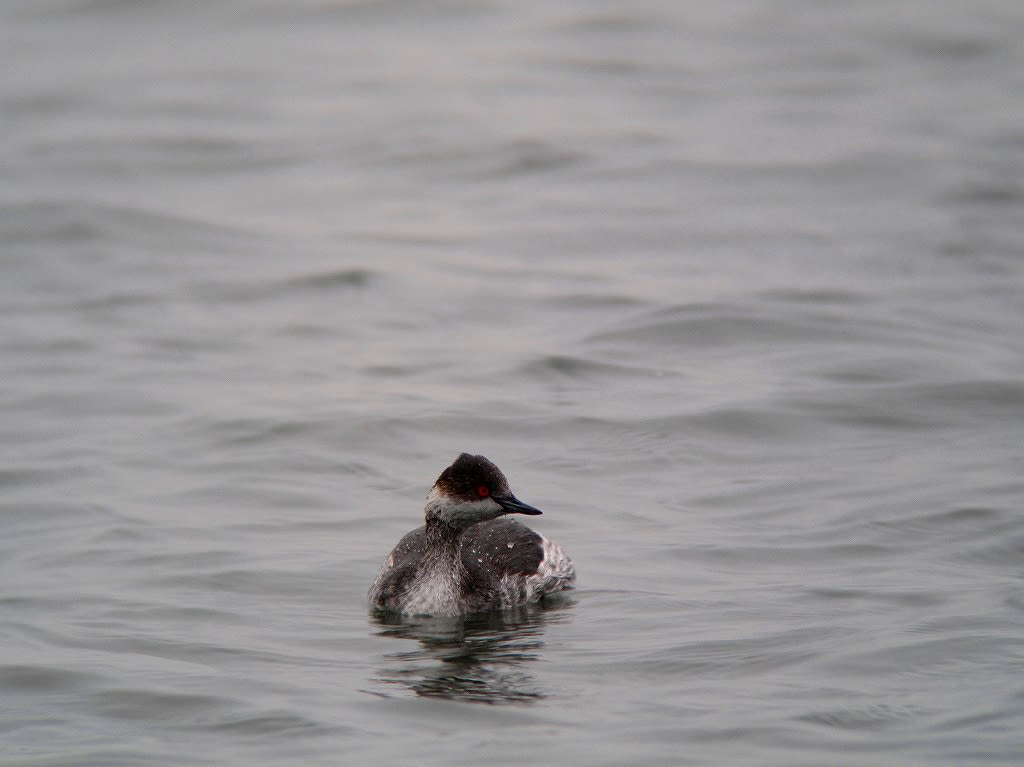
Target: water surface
<point x="732" y="293"/>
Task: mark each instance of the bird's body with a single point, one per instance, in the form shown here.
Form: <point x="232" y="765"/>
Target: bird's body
<point x="468" y="557"/>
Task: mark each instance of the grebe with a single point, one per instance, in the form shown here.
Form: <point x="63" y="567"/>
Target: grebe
<point x="467" y="557"/>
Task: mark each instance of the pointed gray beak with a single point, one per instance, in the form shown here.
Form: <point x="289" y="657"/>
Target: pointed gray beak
<point x="513" y="505"/>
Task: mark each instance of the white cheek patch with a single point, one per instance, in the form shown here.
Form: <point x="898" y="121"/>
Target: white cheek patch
<point x="461" y="514"/>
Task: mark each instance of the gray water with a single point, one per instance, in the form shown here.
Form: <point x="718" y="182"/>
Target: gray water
<point x="733" y="291"/>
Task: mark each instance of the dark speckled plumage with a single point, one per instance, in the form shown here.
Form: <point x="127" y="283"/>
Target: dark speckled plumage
<point x="485" y="552"/>
<point x="468" y="557"/>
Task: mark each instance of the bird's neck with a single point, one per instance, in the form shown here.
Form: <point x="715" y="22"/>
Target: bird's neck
<point x="441" y="576"/>
<point x="443" y="540"/>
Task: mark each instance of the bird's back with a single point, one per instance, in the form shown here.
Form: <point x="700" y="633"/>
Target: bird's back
<point x="505" y="563"/>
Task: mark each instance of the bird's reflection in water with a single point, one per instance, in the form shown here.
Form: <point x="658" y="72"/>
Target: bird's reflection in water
<point x="477" y="658"/>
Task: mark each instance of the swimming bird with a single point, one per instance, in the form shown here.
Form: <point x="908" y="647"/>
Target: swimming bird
<point x="469" y="556"/>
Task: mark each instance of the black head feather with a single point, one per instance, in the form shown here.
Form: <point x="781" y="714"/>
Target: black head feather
<point x="464" y="478"/>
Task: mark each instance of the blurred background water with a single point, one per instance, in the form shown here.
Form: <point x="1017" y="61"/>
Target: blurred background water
<point x="733" y="291"/>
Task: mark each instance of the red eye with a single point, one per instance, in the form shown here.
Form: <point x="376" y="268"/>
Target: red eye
<point x="483" y="491"/>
